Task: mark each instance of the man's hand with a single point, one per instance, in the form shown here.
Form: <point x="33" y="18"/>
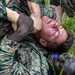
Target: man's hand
<point x="25" y="27"/>
<point x="59" y="12"/>
<point x="25" y="23"/>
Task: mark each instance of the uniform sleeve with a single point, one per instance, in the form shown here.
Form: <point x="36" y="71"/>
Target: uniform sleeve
<point x="7" y="65"/>
<point x="10" y="67"/>
<point x="47" y="11"/>
<point x="3" y="12"/>
<point x="67" y="5"/>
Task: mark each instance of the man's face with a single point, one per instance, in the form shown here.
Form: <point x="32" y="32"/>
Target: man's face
<point x="52" y="31"/>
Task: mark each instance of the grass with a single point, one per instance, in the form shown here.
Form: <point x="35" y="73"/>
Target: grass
<point x="69" y="24"/>
<point x="47" y="2"/>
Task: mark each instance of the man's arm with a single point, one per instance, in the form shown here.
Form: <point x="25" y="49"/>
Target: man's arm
<point x="13" y="17"/>
<point x="4" y="12"/>
<point x="7" y="50"/>
<point x="58" y="11"/>
<point x="35" y="15"/>
<point x="68" y="6"/>
<point x="7" y="65"/>
<point x="7" y="14"/>
<point x="25" y="27"/>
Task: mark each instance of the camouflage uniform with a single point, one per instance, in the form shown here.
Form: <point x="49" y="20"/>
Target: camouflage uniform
<point x="5" y="25"/>
<point x="31" y="59"/>
<point x="67" y="5"/>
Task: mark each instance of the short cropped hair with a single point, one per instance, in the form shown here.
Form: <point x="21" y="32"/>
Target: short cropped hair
<point x="65" y="46"/>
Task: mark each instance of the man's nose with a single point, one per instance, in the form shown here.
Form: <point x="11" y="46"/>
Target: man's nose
<point x="55" y="25"/>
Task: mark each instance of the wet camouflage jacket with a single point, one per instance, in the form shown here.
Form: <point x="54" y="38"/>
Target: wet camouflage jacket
<point x="67" y="5"/>
<point x="31" y="60"/>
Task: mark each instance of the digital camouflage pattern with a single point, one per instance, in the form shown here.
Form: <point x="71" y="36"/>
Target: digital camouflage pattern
<point x="5" y="25"/>
<point x="67" y="5"/>
<point x="31" y="60"/>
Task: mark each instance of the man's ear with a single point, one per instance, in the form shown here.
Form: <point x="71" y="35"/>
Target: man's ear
<point x="43" y="42"/>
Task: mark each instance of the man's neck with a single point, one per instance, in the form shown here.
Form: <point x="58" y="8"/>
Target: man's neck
<point x="37" y="35"/>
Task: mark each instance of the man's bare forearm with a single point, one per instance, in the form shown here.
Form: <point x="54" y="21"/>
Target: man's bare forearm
<point x="12" y="15"/>
<point x="35" y="15"/>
